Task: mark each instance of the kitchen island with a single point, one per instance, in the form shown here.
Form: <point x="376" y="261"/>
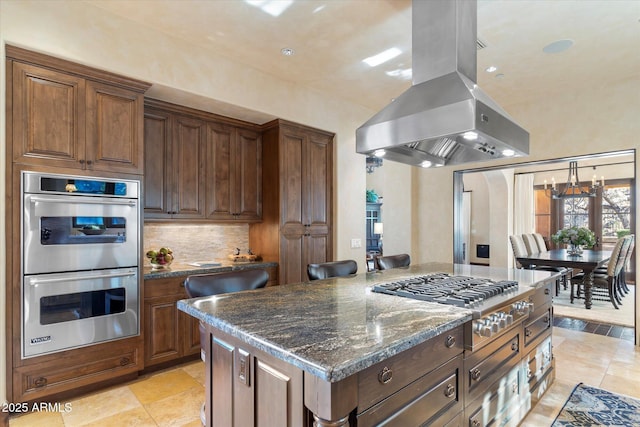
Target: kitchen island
<point x="335" y="351"/>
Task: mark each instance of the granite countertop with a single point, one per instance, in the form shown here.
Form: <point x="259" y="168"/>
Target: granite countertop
<point x="179" y="269"/>
<point x="337" y="327"/>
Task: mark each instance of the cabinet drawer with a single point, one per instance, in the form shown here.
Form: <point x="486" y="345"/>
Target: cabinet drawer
<point x="158" y="288"/>
<point x="433" y="399"/>
<point x="72" y="373"/>
<point x="492" y="363"/>
<point x="539" y="361"/>
<point x="539" y="326"/>
<point x="499" y="407"/>
<point x="385" y="378"/>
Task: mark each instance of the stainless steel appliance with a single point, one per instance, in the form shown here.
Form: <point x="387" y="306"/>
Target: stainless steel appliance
<point x="508" y="363"/>
<point x="80" y="261"/>
<point x="444" y="118"/>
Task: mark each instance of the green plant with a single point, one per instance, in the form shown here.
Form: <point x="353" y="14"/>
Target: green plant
<point x="372" y="196"/>
<point x="622" y="233"/>
<point x="575" y="236"/>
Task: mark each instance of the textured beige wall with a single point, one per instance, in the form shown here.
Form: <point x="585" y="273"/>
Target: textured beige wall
<point x="79" y="32"/>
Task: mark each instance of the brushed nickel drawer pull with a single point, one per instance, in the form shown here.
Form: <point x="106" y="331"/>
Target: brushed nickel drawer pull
<point x="385" y="375"/>
<point x="450" y="391"/>
<point x="451" y="341"/>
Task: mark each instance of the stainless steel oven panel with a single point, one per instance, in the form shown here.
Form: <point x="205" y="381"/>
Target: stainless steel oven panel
<point x="33" y="183"/>
<point x="40" y="336"/>
<point x="74" y="251"/>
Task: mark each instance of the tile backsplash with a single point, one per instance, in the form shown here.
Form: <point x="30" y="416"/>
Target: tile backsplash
<point x="197" y="242"/>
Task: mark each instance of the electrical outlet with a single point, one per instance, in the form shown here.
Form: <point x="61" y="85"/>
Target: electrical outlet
<point x="356" y="243"/>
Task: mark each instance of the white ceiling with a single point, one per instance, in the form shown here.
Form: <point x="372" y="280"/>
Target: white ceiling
<point x="332" y="37"/>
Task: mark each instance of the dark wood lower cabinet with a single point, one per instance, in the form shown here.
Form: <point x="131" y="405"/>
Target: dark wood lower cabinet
<point x="169" y="333"/>
<point x="73" y="371"/>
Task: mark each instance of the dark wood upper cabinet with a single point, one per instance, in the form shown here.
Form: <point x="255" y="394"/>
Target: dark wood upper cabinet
<point x="297" y="212"/>
<point x="70" y="116"/>
<point x="234" y="165"/>
<point x="200" y="166"/>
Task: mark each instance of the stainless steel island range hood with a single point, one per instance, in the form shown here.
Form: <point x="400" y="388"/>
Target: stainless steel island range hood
<point x="443" y="118"/>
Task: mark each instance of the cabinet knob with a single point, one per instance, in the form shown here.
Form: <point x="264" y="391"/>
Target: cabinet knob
<point x="450" y="342"/>
<point x="527" y="333"/>
<point x="81" y="161"/>
<point x="450" y="391"/>
<point x="385" y="375"/>
<point x="475" y="374"/>
<point x="40" y="382"/>
<point x="89" y="162"/>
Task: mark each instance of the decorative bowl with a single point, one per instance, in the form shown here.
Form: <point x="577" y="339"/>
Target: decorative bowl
<point x="155" y="266"/>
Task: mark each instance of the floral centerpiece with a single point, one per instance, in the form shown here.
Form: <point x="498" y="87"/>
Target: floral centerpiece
<point x="576" y="238"/>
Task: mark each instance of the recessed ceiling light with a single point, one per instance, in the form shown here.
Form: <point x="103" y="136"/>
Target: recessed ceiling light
<point x="508" y="152"/>
<point x="499" y="76"/>
<point x="382" y="57"/>
<point x="401" y="73"/>
<point x="426" y="164"/>
<point x="272" y="7"/>
<point x="379" y="153"/>
<point x="287" y="51"/>
<point x="491" y="69"/>
<point x="558" y="46"/>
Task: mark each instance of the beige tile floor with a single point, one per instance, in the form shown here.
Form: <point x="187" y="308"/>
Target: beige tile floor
<point x="173" y="397"/>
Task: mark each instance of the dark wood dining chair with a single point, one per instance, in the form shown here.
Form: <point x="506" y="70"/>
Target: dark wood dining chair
<point x="605" y="286"/>
<point x="393" y="261"/>
<point x="326" y="270"/>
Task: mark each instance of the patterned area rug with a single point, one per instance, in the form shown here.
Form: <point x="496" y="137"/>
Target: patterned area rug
<point x="591" y="406"/>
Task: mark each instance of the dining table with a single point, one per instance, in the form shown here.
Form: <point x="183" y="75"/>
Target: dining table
<point x="587" y="261"/>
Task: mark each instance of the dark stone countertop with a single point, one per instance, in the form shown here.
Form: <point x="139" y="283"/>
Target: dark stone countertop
<point x="178" y="269"/>
<point x="337" y="327"/>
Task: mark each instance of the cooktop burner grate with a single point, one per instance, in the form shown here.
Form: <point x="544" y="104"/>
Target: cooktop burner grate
<point x="461" y="291"/>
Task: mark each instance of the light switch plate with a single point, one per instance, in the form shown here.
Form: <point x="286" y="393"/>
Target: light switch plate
<point x="356" y="243"/>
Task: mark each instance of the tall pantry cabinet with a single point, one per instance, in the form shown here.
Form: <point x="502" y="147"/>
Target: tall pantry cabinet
<point x="297" y="199"/>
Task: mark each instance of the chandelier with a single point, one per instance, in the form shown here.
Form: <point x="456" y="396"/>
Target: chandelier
<point x="573" y="188"/>
<point x="373" y="162"/>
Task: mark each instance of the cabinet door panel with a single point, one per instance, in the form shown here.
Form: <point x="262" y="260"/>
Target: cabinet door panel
<point x="48" y="118"/>
<point x="293" y="268"/>
<point x="161" y="330"/>
<point x="291" y="173"/>
<point x="219" y="170"/>
<point x="317" y="185"/>
<point x="188" y="156"/>
<point x="114" y="136"/>
<point x="248" y="176"/>
<point x="316" y="249"/>
<point x="157" y="179"/>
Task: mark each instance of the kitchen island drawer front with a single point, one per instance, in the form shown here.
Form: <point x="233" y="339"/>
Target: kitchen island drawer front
<point x="538" y="328"/>
<point x="499" y="404"/>
<point x="56" y="377"/>
<point x="491" y="363"/>
<point x="383" y="379"/>
<point x="434" y="399"/>
<point x="539" y="362"/>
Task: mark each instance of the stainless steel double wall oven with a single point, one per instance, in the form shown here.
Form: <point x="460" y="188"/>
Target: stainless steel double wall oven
<point x="80" y="261"/>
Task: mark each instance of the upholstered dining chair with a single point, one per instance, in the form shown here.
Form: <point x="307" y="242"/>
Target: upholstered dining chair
<point x="526" y="244"/>
<point x="530" y="243"/>
<point x="393" y="261"/>
<point x="332" y="269"/>
<point x="203" y="285"/>
<point x="605" y="285"/>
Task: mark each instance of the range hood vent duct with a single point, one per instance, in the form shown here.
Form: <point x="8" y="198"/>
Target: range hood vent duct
<point x="444" y="118"/>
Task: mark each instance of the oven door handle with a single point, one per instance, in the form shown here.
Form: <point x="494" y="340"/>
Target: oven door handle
<point x="63" y="199"/>
<point x="88" y="277"/>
